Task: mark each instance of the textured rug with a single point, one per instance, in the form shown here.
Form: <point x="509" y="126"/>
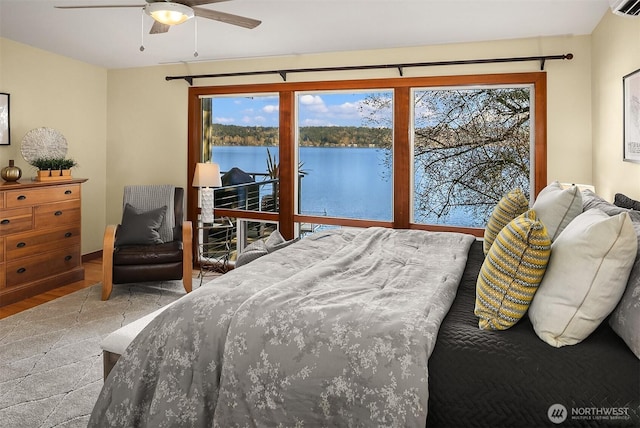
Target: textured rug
<point x="50" y="356"/>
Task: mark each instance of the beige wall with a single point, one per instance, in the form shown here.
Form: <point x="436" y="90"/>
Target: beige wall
<point x="49" y="90"/>
<point x="147" y="125"/>
<point x="137" y="121"/>
<point x="147" y="132"/>
<point x="616" y="53"/>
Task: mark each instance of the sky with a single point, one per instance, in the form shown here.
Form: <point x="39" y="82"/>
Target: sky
<point x="314" y="109"/>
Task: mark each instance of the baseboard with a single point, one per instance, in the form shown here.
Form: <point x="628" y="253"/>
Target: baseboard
<point x="92" y="256"/>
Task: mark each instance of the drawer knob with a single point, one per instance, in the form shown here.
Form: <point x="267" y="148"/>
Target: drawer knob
<point x="22" y="197"/>
<point x="5" y="221"/>
<point x="68" y="192"/>
<point x="66" y="259"/>
<point x="21" y="244"/>
<point x="57" y="213"/>
<point x="68" y="235"/>
<point x="22" y="270"/>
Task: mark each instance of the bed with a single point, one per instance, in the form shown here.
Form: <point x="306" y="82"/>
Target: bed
<point x="511" y="378"/>
<point x="360" y="328"/>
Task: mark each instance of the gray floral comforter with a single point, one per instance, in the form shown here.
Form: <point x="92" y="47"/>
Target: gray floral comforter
<point x="334" y="330"/>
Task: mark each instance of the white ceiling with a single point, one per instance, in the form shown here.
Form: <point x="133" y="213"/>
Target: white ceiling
<point x="111" y="38"/>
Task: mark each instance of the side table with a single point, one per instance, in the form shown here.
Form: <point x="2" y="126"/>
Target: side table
<point x="214" y="249"/>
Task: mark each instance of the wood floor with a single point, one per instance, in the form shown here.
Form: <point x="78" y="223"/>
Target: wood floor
<point x="92" y="275"/>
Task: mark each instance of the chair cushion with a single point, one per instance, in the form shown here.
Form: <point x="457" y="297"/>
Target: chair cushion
<point x="167" y="252"/>
<point x="140" y="228"/>
<point x="127" y="274"/>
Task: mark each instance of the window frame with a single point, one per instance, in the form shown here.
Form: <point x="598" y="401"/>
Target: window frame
<point x="402" y="156"/>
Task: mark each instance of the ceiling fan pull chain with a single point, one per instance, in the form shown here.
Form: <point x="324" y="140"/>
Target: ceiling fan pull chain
<point x="195" y="36"/>
<point x="142" y="31"/>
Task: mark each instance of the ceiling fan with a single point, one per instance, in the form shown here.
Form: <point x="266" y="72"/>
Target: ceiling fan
<point x="167" y="13"/>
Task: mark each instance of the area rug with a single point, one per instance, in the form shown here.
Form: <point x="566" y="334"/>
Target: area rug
<point x="50" y="356"/>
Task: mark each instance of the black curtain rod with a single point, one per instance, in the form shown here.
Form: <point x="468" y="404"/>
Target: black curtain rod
<point x="400" y="67"/>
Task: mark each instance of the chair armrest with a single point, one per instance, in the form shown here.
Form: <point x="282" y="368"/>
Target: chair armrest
<point x="187" y="255"/>
<point x="108" y="245"/>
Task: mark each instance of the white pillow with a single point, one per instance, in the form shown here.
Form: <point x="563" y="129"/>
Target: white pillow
<point x="586" y="276"/>
<point x="556" y="207"/>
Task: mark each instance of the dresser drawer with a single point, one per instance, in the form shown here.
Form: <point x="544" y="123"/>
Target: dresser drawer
<point x="17" y="220"/>
<point x="1" y="249"/>
<point x="41" y="195"/>
<point x="57" y="214"/>
<point x="29" y="243"/>
<point x="42" y="266"/>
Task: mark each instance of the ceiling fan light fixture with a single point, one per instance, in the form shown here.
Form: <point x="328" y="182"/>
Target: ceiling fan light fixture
<point x="169" y="13"/>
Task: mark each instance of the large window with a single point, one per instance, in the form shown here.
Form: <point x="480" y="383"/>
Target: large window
<point x="241" y="134"/>
<point x="428" y="153"/>
<point x="344" y="157"/>
<point x="470" y="147"/>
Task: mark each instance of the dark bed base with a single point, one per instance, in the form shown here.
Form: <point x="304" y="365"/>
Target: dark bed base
<point x="109" y="359"/>
<point x="511" y="378"/>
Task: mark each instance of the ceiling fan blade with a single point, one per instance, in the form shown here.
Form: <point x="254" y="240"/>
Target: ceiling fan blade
<point x="198" y="2"/>
<point x="158" y="28"/>
<point x="227" y="18"/>
<point x="99" y="6"/>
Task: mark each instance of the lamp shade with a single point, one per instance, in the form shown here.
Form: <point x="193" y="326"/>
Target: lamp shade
<point x="169" y="13"/>
<point x="207" y="175"/>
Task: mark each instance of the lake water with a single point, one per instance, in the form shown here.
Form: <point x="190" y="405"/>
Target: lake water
<point x="340" y="182"/>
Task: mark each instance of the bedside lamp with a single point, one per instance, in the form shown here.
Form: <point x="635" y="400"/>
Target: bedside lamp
<point x="206" y="177"/>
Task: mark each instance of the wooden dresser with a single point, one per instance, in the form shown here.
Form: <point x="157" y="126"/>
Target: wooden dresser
<point x="39" y="237"/>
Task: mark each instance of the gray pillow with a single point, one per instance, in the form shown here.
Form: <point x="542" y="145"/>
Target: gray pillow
<point x="140" y="228"/>
<point x="276" y="241"/>
<point x="625" y="319"/>
<point x="591" y="200"/>
<point x="624" y="201"/>
<point x="251" y="252"/>
<point x="262" y="247"/>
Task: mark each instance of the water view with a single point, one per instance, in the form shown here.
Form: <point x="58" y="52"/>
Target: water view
<point x="471" y="146"/>
<point x="339" y="182"/>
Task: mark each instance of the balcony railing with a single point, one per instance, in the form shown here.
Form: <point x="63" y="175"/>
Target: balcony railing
<point x="260" y="196"/>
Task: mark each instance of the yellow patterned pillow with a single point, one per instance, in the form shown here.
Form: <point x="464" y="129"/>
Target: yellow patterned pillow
<point x="512" y="272"/>
<point x="510" y="206"/>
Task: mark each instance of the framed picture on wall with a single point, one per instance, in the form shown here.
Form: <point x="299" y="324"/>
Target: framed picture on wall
<point x="631" y="114"/>
<point x="5" y="138"/>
